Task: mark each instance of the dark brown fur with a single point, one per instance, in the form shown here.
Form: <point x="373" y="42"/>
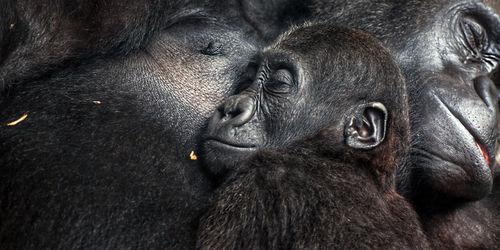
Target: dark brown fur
<point x="309" y="198"/>
<point x="320" y="192"/>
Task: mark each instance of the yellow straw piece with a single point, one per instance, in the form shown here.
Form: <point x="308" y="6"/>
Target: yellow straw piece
<point x="18" y="120"/>
<point x="193" y="156"/>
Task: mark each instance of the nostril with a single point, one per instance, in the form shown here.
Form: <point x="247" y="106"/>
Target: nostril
<point x="229" y="115"/>
<point x="487" y="91"/>
<point x="237" y="110"/>
<point x="230" y="108"/>
<point x="226" y="117"/>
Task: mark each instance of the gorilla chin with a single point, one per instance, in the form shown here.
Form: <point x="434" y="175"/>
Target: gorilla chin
<point x="475" y="184"/>
<point x="221" y="156"/>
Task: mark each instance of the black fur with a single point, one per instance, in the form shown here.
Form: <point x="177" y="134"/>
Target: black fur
<point x="313" y="190"/>
<point x="270" y="18"/>
<point x="38" y="36"/>
<point x="75" y="174"/>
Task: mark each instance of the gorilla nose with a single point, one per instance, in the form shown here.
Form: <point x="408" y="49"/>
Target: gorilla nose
<point x="238" y="110"/>
<point x="486" y="89"/>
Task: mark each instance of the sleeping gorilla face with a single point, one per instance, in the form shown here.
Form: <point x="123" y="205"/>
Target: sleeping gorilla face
<point x="456" y="101"/>
<point x="447" y="51"/>
<point x="327" y="107"/>
<point x="461" y="155"/>
<point x="75" y="174"/>
<point x="193" y="64"/>
<point x="300" y="85"/>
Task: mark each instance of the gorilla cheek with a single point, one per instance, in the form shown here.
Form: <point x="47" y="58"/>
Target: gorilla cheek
<point x="184" y="86"/>
<point x="197" y="81"/>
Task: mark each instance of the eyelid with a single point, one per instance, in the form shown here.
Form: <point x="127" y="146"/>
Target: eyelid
<point x="281" y="82"/>
<point x="283" y="75"/>
<point x="477" y="45"/>
<point x="474" y="35"/>
<point x="213" y="48"/>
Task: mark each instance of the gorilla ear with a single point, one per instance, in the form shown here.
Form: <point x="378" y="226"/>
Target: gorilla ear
<point x="367" y="127"/>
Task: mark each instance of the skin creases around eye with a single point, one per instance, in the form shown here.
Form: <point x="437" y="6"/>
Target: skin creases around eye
<point x="277" y="87"/>
<point x="474" y="34"/>
<point x="476" y="44"/>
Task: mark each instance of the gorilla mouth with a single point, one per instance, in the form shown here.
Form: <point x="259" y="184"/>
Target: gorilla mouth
<point x="231" y="145"/>
<point x="451" y="154"/>
<point x="485" y="153"/>
<point x="479" y="144"/>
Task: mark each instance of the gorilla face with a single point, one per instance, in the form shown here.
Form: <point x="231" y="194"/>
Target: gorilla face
<point x="193" y="65"/>
<point x="122" y="165"/>
<point x="447" y="51"/>
<point x="312" y="78"/>
<point x="454" y="101"/>
<point x="271" y="112"/>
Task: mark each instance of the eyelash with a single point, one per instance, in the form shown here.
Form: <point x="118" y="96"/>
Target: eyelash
<point x="476" y="42"/>
<point x="474" y="39"/>
<point x="279" y="82"/>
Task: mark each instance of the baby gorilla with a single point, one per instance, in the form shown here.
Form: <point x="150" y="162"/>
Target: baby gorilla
<point x="308" y="149"/>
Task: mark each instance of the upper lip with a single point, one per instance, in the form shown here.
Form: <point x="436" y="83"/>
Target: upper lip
<point x="466" y="126"/>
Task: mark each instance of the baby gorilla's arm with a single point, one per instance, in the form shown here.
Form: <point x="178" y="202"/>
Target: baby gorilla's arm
<point x="303" y="201"/>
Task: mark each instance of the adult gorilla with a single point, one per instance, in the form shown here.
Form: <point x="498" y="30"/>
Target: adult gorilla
<point x="115" y="93"/>
<point x="449" y="52"/>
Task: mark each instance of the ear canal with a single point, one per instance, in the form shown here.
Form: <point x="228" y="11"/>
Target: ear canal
<point x="367" y="127"/>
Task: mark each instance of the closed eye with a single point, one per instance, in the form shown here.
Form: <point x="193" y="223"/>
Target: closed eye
<point x="281" y="82"/>
<point x="477" y="44"/>
<point x="213" y="48"/>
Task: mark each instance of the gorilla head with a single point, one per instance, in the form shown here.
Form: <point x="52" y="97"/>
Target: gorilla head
<point x="75" y="174"/>
<point x="302" y="84"/>
<point x="324" y="124"/>
<point x="447" y="51"/>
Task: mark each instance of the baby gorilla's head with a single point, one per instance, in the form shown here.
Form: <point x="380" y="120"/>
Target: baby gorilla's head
<point x="320" y="80"/>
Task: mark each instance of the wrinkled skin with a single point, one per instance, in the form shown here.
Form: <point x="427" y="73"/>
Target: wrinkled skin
<point x="457" y="100"/>
<point x="448" y="55"/>
<point x="449" y="52"/>
<point x="55" y="179"/>
<point x="75" y="174"/>
<point x="318" y="127"/>
<point x="286" y="97"/>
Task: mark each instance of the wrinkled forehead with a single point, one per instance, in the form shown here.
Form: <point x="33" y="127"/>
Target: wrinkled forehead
<point x="331" y="52"/>
<point x="330" y="40"/>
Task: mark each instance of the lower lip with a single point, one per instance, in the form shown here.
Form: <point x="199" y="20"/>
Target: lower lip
<point x="485" y="153"/>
